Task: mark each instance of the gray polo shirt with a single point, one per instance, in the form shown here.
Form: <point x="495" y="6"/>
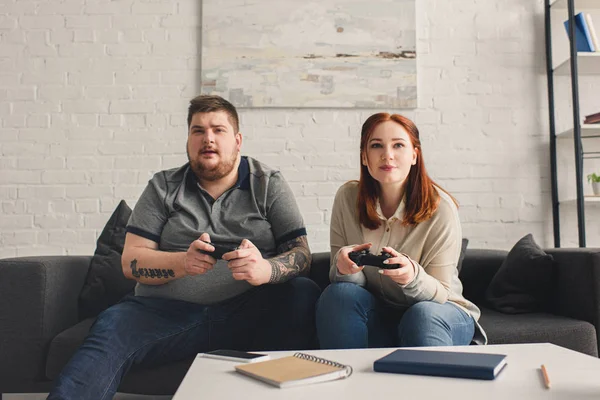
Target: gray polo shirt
<point x="174" y="211"/>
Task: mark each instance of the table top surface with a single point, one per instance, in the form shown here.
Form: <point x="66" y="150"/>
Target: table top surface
<point x="573" y="376"/>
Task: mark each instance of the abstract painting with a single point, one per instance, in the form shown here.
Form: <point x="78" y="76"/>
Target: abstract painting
<point x="293" y="53"/>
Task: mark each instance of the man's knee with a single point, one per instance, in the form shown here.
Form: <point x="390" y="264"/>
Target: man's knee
<point x="300" y="294"/>
<point x="110" y="320"/>
<point x="125" y="326"/>
<point x="119" y="316"/>
<point x="306" y="287"/>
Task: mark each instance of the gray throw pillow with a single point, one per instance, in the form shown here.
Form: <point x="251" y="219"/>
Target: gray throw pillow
<point x="105" y="283"/>
<point x="523" y="283"/>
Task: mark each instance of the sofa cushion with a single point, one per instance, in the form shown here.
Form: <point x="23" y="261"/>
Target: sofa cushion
<point x="319" y="269"/>
<point x="158" y="380"/>
<point x="539" y="328"/>
<point x="478" y="270"/>
<point x="524" y="281"/>
<point x="105" y="283"/>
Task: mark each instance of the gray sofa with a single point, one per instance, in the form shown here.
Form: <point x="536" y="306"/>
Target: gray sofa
<point x="40" y="328"/>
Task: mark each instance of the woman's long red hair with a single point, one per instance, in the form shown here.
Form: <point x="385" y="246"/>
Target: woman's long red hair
<point x="420" y="194"/>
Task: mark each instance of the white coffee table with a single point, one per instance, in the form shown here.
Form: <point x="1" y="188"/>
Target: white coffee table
<point x="573" y="376"/>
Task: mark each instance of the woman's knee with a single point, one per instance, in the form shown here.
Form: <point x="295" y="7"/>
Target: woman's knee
<point x="432" y="324"/>
<point x="423" y="312"/>
<point x="342" y="297"/>
<point x="432" y="312"/>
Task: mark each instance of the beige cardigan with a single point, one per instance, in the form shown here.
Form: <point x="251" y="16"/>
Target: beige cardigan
<point x="433" y="246"/>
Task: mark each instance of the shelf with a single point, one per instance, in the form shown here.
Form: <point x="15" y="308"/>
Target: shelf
<point x="579" y="4"/>
<point x="586" y="199"/>
<point x="587" y="131"/>
<point x="588" y="63"/>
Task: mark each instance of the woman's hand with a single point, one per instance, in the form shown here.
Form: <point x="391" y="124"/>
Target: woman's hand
<point x="345" y="265"/>
<point x="402" y="275"/>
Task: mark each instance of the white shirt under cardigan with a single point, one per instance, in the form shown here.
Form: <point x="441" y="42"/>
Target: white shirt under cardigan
<point x="433" y="247"/>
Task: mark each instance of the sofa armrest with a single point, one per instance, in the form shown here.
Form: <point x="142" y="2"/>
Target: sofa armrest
<point x="38" y="299"/>
<point x="578" y="284"/>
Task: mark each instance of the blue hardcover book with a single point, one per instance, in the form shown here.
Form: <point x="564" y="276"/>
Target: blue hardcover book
<point x="583" y="37"/>
<point x="442" y="363"/>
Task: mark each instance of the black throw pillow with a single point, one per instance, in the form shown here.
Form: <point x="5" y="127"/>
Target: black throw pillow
<point x="463" y="250"/>
<point x="105" y="283"/>
<point x="523" y="283"/>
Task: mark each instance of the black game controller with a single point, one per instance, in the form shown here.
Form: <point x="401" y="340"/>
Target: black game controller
<point x="219" y="250"/>
<point x="364" y="257"/>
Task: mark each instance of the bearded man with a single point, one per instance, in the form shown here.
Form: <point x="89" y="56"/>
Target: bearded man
<point x="188" y="299"/>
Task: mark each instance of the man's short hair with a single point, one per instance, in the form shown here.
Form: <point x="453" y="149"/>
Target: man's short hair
<point x="210" y="103"/>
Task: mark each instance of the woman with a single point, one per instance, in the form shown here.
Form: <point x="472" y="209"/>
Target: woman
<point x="396" y="208"/>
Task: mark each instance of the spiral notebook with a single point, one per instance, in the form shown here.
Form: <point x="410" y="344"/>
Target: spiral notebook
<point x="296" y="370"/>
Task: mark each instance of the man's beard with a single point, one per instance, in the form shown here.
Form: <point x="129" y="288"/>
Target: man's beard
<point x="215" y="173"/>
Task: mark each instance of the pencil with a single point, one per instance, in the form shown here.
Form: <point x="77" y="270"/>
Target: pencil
<point x="546" y="377"/>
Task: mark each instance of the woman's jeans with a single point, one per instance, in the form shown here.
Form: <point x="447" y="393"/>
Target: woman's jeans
<point x="349" y="316"/>
<point x="151" y="331"/>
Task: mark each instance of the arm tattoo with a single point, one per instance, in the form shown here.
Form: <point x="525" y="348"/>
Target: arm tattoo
<point x="150" y="272"/>
<point x="294" y="259"/>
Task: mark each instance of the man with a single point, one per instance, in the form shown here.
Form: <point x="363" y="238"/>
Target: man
<point x="186" y="301"/>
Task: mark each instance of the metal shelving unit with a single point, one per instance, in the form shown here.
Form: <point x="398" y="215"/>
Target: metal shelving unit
<point x="577" y="64"/>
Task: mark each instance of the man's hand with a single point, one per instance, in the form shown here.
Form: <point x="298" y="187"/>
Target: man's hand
<point x="345" y="265"/>
<point x="197" y="263"/>
<point x="403" y="275"/>
<point x="247" y="264"/>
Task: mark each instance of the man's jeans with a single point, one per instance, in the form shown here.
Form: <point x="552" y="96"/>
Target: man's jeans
<point x="152" y="331"/>
<point x="349" y="316"/>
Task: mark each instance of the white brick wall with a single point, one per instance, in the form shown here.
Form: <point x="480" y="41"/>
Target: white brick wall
<point x="93" y="98"/>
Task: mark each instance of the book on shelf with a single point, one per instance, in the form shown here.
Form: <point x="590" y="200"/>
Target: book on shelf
<point x="296" y="370"/>
<point x="442" y="363"/>
<point x="583" y="37"/>
<point x="593" y="35"/>
<point x="592" y="118"/>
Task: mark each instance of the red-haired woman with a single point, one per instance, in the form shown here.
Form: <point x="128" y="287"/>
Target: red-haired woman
<point x="396" y="208"/>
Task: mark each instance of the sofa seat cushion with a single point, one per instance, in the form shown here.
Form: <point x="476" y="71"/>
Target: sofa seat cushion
<point x="160" y="380"/>
<point x="64" y="345"/>
<point x="539" y="328"/>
